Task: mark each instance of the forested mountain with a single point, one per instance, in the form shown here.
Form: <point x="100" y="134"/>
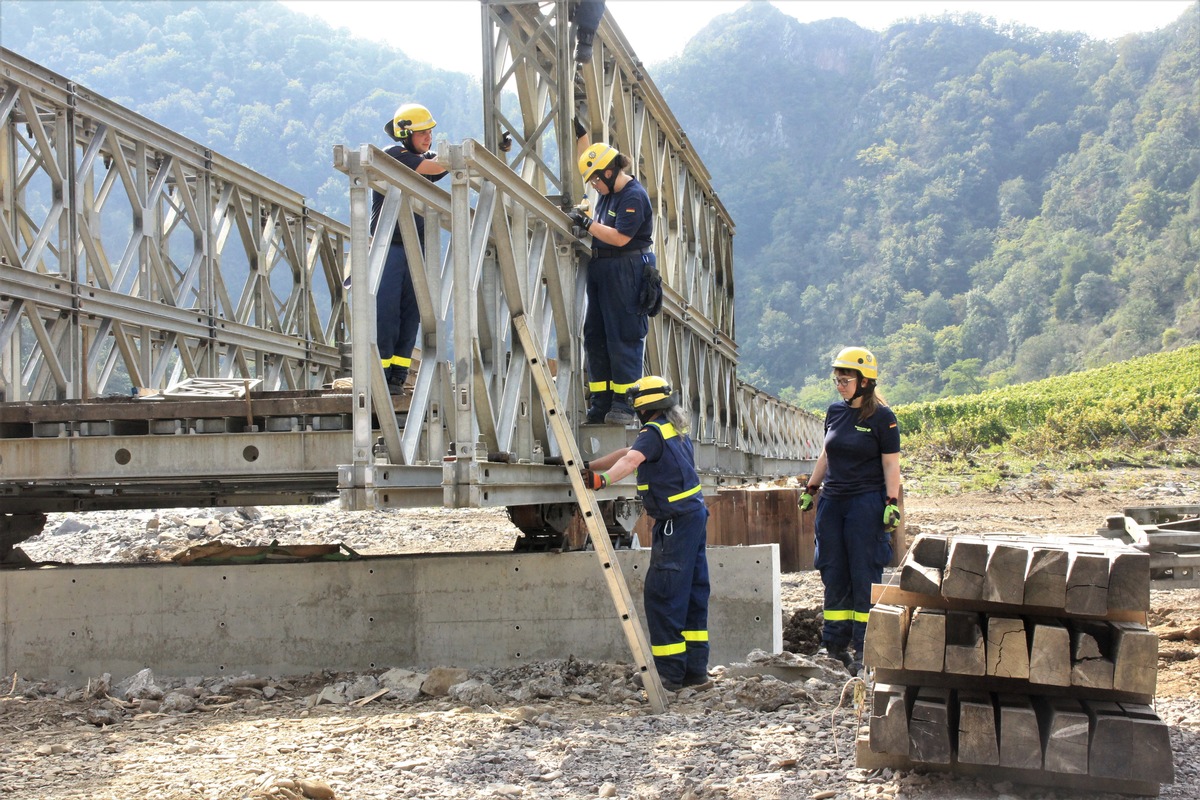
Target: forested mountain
<point x="978" y="204"/>
<point x="271" y="88"/>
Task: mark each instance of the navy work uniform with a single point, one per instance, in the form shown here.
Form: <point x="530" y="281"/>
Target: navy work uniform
<point x="677" y="588"/>
<point x="615" y="326"/>
<point x="851" y="545"/>
<point x="397" y="315"/>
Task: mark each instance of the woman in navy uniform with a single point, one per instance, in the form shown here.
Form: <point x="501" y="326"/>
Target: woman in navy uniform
<point x="617" y="319"/>
<point x="397" y="315"/>
<point x="858" y="474"/>
<point x="677" y="588"/>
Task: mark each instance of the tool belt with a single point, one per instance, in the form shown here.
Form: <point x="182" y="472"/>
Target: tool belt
<point x="614" y="252"/>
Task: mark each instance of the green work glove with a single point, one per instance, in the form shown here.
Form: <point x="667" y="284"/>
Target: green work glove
<point x="891" y="515"/>
<point x="806" y="497"/>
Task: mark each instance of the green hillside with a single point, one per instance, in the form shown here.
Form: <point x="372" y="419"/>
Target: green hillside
<point x="979" y="205"/>
<point x="1145" y="410"/>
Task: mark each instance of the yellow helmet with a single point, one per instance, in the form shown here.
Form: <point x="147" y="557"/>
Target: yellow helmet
<point x="595" y="159"/>
<point x="858" y="358"/>
<point x="409" y="117"/>
<point x="651" y="393"/>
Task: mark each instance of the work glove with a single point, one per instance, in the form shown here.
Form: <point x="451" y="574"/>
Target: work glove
<point x="429" y="155"/>
<point x="580" y="131"/>
<point x="580" y="219"/>
<point x="505" y="142"/>
<point x="594" y="480"/>
<point x="806" y="497"/>
<point x="891" y="515"/>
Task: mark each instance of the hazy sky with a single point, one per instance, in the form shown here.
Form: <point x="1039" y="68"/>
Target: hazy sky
<point x="659" y="29"/>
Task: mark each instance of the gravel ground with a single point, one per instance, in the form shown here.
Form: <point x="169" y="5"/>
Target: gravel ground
<point x="557" y="729"/>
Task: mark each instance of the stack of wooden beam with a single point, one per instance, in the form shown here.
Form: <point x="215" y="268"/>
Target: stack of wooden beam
<point x="1020" y="658"/>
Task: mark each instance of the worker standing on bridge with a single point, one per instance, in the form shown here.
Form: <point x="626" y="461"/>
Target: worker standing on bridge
<point x="397" y="315"/>
<point x="677" y="588"/>
<point x="623" y="287"/>
<point x="858" y="473"/>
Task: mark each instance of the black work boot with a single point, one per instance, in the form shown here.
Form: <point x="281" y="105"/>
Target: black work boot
<point x="397" y="378"/>
<point x="583" y="45"/>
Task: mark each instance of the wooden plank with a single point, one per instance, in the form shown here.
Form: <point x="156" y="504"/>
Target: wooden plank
<point x="929" y="726"/>
<point x="891" y="593"/>
<point x="1135" y="658"/>
<point x="1065" y="730"/>
<point x="1020" y="740"/>
<point x="1004" y="579"/>
<point x="966" y="652"/>
<point x="925" y="647"/>
<point x="1129" y="581"/>
<point x="977" y="735"/>
<point x="888" y="725"/>
<point x="1091" y="648"/>
<point x="1007" y="648"/>
<point x="1087" y="584"/>
<point x="1050" y="653"/>
<point x="1046" y="578"/>
<point x="966" y="566"/>
<point x="884" y="643"/>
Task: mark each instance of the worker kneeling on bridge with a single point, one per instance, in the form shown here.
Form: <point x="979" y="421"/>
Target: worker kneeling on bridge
<point x="620" y="277"/>
<point x="677" y="588"/>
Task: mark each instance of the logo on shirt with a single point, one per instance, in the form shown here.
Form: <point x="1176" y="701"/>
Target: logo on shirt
<point x="629" y="210"/>
<point x="861" y="428"/>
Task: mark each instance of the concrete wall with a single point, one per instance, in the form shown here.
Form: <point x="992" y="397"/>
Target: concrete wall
<point x="487" y="609"/>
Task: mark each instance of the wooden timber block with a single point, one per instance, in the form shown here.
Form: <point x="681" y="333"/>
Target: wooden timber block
<point x="1004" y="579"/>
<point x="1129" y="581"/>
<point x="1091" y="662"/>
<point x="1046" y="578"/>
<point x="888" y="727"/>
<point x="925" y="648"/>
<point x="930" y="550"/>
<point x="966" y="565"/>
<point x="1087" y="584"/>
<point x="1007" y="648"/>
<point x="1128" y="742"/>
<point x="1150" y="755"/>
<point x="1049" y="653"/>
<point x="966" y="652"/>
<point x="918" y="578"/>
<point x="921" y="571"/>
<point x="929" y="726"/>
<point x="1020" y="739"/>
<point x="977" y="737"/>
<point x="883" y="645"/>
<point x="1135" y="658"/>
<point x="1065" y="734"/>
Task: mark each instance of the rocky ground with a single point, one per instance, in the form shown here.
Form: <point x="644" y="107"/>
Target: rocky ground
<point x="560" y="729"/>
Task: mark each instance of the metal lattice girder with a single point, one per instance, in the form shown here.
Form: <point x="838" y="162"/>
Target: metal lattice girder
<point x="133" y="257"/>
<point x="511" y="253"/>
<point x="527" y="52"/>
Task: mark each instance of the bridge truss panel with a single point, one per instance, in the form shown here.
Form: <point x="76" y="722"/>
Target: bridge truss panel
<point x="132" y="257"/>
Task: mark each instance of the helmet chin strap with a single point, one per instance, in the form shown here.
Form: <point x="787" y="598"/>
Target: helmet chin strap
<point x="645" y="415"/>
<point x="611" y="183"/>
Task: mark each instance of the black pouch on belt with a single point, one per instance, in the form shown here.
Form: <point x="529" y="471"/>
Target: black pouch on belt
<point x="651" y="298"/>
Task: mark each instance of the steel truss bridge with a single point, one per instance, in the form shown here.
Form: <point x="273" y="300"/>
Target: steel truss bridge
<point x="171" y="322"/>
